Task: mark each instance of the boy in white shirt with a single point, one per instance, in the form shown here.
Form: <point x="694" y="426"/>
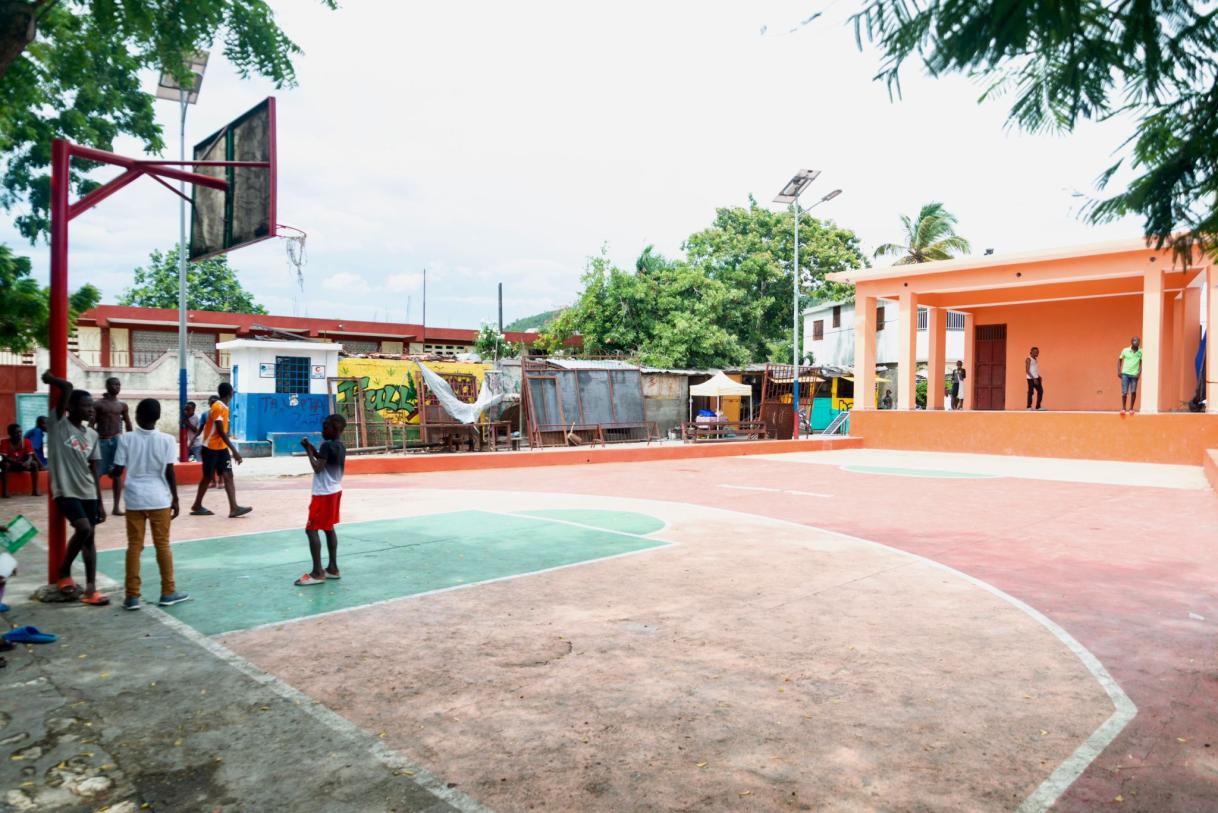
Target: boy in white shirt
<point x="148" y="455"/>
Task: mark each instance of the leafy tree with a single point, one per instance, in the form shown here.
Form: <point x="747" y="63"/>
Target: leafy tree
<point x="728" y="302"/>
<point x="491" y="344"/>
<point x="664" y="314"/>
<point x="932" y="236"/>
<point x="749" y="250"/>
<point x="1155" y="60"/>
<point x="211" y="285"/>
<point x="25" y="307"/>
<point x="71" y="69"/>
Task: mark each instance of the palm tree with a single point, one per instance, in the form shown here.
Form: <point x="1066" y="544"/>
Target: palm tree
<point x="931" y="237"/>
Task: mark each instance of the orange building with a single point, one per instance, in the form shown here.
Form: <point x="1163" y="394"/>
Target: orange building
<point x="1080" y="306"/>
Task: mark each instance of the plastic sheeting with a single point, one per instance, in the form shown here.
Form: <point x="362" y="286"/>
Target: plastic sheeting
<point x="454" y="406"/>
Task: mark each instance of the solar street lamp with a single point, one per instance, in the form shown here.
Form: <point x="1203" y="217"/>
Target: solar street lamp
<point x="790" y="195"/>
<point x="168" y="87"/>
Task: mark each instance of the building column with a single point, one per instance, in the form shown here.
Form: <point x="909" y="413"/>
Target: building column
<point x="1191" y="333"/>
<point x="1173" y="372"/>
<point x="1211" y="354"/>
<point x="1170" y="353"/>
<point x="970" y="369"/>
<point x="907" y="350"/>
<point x="104" y="355"/>
<point x="864" y="352"/>
<point x="936" y="356"/>
<point x="1152" y="339"/>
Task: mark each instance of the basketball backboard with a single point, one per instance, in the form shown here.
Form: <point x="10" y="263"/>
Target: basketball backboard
<point x="245" y="212"/>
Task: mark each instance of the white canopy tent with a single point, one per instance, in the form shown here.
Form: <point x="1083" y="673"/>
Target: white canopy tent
<point x="716" y="387"/>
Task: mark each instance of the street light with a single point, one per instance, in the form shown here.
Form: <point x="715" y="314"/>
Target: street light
<point x="168" y="87"/>
<point x="790" y="195"/>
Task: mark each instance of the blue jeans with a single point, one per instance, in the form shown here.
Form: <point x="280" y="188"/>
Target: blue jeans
<point x="1129" y="383"/>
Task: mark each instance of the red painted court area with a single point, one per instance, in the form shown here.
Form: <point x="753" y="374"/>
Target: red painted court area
<point x="1130" y="571"/>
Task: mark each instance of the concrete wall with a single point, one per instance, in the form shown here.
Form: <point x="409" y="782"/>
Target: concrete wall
<point x="158" y="380"/>
<point x="665" y="400"/>
<point x="248" y="358"/>
<point x="837" y="347"/>
<point x="256" y="415"/>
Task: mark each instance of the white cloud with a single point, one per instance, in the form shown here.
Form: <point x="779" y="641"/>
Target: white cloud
<point x="347" y="283"/>
<point x="511" y="141"/>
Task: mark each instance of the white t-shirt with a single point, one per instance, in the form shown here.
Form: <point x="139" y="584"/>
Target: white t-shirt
<point x="1033" y="368"/>
<point x="145" y="453"/>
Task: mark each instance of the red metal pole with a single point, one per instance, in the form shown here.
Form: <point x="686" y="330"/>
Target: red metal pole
<point x="61" y="154"/>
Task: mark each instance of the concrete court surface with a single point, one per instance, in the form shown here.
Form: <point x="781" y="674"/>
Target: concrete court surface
<point x="730" y="659"/>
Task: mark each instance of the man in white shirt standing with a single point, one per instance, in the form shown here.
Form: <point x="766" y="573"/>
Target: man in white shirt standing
<point x="148" y="456"/>
<point x="1031" y="366"/>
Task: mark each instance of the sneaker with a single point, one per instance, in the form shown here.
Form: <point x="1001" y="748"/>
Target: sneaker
<point x="170" y="599"/>
<point x="131" y="603"/>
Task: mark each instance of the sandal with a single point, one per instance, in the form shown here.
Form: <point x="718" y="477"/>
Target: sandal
<point x="200" y="512"/>
<point x="307" y="579"/>
<point x="97" y="599"/>
<point x="29" y="635"/>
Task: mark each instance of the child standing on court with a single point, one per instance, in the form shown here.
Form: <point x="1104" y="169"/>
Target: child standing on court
<point x="328" y="464"/>
<point x="147" y="455"/>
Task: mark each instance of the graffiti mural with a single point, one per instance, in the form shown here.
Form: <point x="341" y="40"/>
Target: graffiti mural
<point x="391" y="386"/>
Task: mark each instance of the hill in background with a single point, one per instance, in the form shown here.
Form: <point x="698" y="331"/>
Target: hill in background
<point x="537" y="320"/>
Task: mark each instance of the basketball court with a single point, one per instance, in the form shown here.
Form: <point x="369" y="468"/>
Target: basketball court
<point x="706" y="634"/>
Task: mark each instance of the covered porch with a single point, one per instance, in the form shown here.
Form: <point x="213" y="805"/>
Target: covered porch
<point x="1079" y="306"/>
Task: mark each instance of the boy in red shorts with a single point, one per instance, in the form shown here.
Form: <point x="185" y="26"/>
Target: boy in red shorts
<point x="328" y="463"/>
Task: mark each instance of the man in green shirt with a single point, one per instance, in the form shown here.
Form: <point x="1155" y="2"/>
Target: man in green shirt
<point x="1129" y="370"/>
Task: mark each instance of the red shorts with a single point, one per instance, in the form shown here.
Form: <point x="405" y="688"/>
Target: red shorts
<point x="323" y="511"/>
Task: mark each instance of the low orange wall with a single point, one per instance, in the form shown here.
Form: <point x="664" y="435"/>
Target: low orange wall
<point x="413" y="464"/>
<point x="1165" y="438"/>
<point x="188" y="474"/>
<point x="1210" y="463"/>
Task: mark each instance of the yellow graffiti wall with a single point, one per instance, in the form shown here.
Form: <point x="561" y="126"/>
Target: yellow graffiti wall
<point x="391" y="386"/>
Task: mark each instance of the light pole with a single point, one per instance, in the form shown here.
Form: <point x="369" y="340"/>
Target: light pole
<point x="790" y="195"/>
<point x="169" y="88"/>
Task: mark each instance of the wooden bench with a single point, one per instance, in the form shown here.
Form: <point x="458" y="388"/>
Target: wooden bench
<point x="716" y="430"/>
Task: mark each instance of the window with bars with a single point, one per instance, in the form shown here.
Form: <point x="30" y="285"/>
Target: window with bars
<point x="955" y="321"/>
<point x="291" y="374"/>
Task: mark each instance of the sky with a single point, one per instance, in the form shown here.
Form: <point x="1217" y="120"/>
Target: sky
<point x="498" y="142"/>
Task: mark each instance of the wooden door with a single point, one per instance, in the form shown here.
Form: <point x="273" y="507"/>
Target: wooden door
<point x="990" y="375"/>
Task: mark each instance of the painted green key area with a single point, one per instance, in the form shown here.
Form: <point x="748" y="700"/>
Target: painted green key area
<point x="238" y="582"/>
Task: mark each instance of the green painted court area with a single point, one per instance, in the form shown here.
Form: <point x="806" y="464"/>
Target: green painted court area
<point x="898" y="472"/>
<point x="243" y="581"/>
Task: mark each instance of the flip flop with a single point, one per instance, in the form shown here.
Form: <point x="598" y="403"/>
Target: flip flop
<point x="29" y="635"/>
<point x="334" y="576"/>
<point x="241" y="511"/>
<point x="97" y="599"/>
<point x="201" y="512"/>
<point x="307" y="579"/>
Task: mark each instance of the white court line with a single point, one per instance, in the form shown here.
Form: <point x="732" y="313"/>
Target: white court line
<point x="776" y="490"/>
<point x="331" y="719"/>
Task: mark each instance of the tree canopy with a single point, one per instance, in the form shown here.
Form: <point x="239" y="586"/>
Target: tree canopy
<point x="71" y="69"/>
<point x="931" y="236"/>
<point x="537" y="320"/>
<point x="1059" y="63"/>
<point x="728" y="301"/>
<point x="211" y="285"/>
<point x="25" y="307"/>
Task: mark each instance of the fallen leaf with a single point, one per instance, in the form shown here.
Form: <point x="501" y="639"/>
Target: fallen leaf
<point x="1119" y="798"/>
<point x="749" y="792"/>
<point x="701" y="764"/>
<point x="1181" y="739"/>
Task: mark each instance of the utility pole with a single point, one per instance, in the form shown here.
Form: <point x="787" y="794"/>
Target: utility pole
<point x="501" y="307"/>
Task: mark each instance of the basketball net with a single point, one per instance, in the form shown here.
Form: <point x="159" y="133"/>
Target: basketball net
<point x="294" y="247"/>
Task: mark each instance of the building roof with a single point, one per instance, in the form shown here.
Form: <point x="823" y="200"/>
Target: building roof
<point x="1113" y="247"/>
<point x="591" y="364"/>
<point x="244" y="324"/>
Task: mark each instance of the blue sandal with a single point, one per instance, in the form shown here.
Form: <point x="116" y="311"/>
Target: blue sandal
<point x="29" y="635"/>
